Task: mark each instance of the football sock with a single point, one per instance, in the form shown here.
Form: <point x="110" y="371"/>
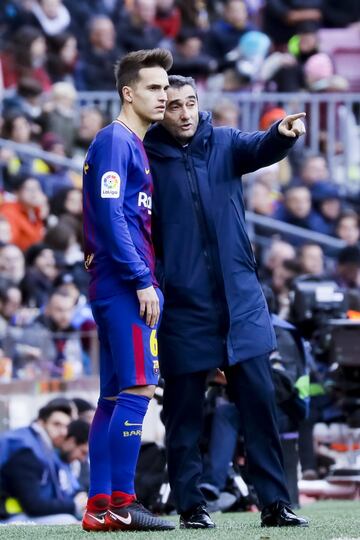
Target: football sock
<point x="100" y="472"/>
<point x="98" y="503"/>
<point x="124" y="444"/>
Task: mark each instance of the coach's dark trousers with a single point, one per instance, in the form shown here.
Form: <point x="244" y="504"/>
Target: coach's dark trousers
<point x="251" y="388"/>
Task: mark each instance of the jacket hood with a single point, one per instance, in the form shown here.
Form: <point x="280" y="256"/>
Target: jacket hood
<point x="159" y="142"/>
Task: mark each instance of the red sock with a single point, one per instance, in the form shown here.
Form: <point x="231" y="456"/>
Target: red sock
<point x="98" y="503"/>
<point x="120" y="499"/>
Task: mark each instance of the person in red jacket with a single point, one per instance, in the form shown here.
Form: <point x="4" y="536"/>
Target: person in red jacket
<point x="24" y="215"/>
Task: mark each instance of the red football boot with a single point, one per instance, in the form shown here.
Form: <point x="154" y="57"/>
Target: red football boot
<point x="94" y="521"/>
<point x="94" y="516"/>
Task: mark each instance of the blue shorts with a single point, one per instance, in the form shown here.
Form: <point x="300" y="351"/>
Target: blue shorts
<point x="128" y="347"/>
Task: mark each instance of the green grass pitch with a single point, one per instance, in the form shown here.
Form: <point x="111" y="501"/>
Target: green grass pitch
<point x="330" y="520"/>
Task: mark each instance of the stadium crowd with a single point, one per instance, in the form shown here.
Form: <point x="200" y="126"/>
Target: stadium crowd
<point x="50" y="50"/>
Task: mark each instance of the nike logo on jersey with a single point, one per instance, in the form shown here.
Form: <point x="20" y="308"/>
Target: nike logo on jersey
<point x="147" y="171"/>
<point x="116" y="517"/>
<point x="86" y="168"/>
<point x="127" y="424"/>
<point x="145" y="201"/>
<point x="99" y="519"/>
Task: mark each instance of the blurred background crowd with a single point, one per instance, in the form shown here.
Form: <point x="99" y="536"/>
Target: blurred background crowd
<point x="253" y="61"/>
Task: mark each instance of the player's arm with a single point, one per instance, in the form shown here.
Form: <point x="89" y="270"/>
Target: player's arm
<point x="112" y="160"/>
<point x="253" y="151"/>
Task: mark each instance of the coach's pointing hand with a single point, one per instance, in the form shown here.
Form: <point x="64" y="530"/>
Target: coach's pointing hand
<point x="149" y="305"/>
<point x="292" y="125"/>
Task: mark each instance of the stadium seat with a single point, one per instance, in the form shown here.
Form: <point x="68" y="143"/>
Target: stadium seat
<point x="345" y="61"/>
<point x="331" y="39"/>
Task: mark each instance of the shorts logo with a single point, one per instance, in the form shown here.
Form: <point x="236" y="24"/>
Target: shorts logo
<point x="156" y="369"/>
<point x="110" y="185"/>
<point x="147" y="171"/>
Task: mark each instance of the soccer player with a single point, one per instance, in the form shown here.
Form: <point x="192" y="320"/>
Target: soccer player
<point x="125" y="298"/>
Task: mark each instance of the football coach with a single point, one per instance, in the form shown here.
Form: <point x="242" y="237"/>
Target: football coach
<point x="215" y="314"/>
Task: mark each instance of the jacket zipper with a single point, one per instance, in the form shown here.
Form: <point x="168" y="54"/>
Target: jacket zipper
<point x="204" y="231"/>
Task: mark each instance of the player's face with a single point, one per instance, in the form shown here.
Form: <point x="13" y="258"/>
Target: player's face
<point x="148" y="95"/>
<point x="56" y="427"/>
<point x="182" y="113"/>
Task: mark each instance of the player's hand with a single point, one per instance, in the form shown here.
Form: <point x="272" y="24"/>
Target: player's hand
<point x="149" y="305"/>
<point x="292" y="125"/>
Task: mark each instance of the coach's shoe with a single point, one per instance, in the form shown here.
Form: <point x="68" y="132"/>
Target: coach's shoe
<point x="280" y="514"/>
<point x="135" y="517"/>
<point x="94" y="521"/>
<point x="196" y="518"/>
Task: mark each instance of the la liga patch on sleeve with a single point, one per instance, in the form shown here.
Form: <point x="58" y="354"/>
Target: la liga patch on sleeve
<point x="110" y="185"/>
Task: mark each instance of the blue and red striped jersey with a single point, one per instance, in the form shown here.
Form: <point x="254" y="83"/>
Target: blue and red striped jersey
<point x="117" y="190"/>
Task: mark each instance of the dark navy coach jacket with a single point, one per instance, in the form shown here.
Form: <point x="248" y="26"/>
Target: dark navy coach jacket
<point x="215" y="313"/>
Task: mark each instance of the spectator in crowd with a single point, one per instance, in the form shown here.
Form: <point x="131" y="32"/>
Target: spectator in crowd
<point x="137" y="30"/>
<point x="85" y="409"/>
<point x="32" y="471"/>
<point x="69" y="361"/>
<point x="286" y="70"/>
<point x="285" y="18"/>
<point x="90" y="122"/>
<point x="62" y="57"/>
<point x="65" y="239"/>
<point x="225" y="33"/>
<point x="314" y="170"/>
<point x="25" y="57"/>
<point x="84" y="11"/>
<point x="226" y="113"/>
<point x="60" y="114"/>
<point x="278" y="252"/>
<point x="195" y="14"/>
<point x="281" y="281"/>
<point x="50" y="16"/>
<point x="296" y="209"/>
<point x="10" y="303"/>
<point x="260" y="199"/>
<point x="96" y="65"/>
<point x="17" y="128"/>
<point x="54" y="177"/>
<point x="12" y="263"/>
<point x="311" y="259"/>
<point x="26" y="100"/>
<point x="83" y="320"/>
<point x="327" y="203"/>
<point x="67" y="201"/>
<point x="189" y="59"/>
<point x="27" y="227"/>
<point x="40" y="274"/>
<point x="73" y="453"/>
<point x="168" y="18"/>
<point x="348" y="228"/>
<point x="347" y="272"/>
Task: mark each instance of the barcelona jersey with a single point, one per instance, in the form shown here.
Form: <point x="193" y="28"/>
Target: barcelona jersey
<point x="117" y="189"/>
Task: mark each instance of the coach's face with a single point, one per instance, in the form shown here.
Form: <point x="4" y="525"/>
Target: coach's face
<point x="182" y="113"/>
<point x="148" y="96"/>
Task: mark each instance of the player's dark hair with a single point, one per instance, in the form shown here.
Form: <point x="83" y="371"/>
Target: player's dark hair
<point x="178" y="81"/>
<point x="128" y="67"/>
<point x="55" y="405"/>
<point x="79" y="429"/>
